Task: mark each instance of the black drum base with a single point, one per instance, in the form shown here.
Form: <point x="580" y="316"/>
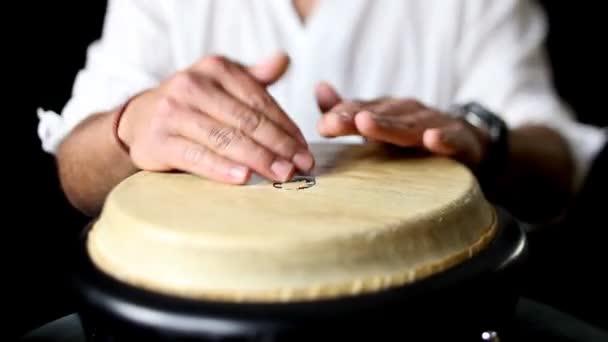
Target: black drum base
<point x="459" y="304"/>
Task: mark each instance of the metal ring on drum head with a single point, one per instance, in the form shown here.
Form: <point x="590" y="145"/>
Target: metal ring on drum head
<point x="297" y="183"/>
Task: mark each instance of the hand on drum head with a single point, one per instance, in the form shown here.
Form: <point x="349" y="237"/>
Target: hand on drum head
<point x="217" y="120"/>
<point x="401" y="122"/>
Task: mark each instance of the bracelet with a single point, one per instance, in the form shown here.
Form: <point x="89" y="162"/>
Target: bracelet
<point x="116" y="122"/>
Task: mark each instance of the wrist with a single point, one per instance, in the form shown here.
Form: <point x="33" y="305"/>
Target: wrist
<point x="493" y="136"/>
<point x="482" y="140"/>
<point x="121" y="124"/>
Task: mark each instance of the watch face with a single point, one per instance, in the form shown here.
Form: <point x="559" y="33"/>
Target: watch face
<point x="475" y="120"/>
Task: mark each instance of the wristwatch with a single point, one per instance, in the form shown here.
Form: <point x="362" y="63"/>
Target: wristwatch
<point x="495" y="128"/>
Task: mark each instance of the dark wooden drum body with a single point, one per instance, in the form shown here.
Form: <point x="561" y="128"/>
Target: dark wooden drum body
<point x="376" y="244"/>
<point x="461" y="303"/>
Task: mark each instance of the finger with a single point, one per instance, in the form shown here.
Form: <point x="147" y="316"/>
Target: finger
<point x="454" y="140"/>
<point x="381" y="106"/>
<point x="338" y="121"/>
<point x="270" y="70"/>
<point x="387" y="130"/>
<point x="190" y="157"/>
<point x="327" y="96"/>
<point x="232" y="144"/>
<point x="336" y="125"/>
<point x="402" y="130"/>
<point x="207" y="97"/>
<point x="396" y="107"/>
<point x="238" y="82"/>
<point x="348" y="108"/>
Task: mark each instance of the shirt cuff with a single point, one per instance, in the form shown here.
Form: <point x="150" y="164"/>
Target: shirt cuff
<point x="51" y="130"/>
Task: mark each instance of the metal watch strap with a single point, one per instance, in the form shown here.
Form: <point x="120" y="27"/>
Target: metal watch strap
<point x="497" y="150"/>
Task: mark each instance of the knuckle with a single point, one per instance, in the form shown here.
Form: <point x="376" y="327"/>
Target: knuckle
<point x="221" y="138"/>
<point x="286" y="146"/>
<point x="260" y="102"/>
<point x="249" y="121"/>
<point x="215" y="64"/>
<point x="409" y="124"/>
<point x="262" y="157"/>
<point x="183" y="83"/>
<point x="194" y="155"/>
<point x="346" y="105"/>
<point x="342" y="107"/>
<point x="388" y="106"/>
<point x="166" y="104"/>
<point x="413" y="103"/>
<point x="166" y="108"/>
<point x="355" y="106"/>
<point x="207" y="86"/>
<point x="426" y="114"/>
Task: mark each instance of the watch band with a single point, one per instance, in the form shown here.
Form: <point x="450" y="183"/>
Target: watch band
<point x="497" y="151"/>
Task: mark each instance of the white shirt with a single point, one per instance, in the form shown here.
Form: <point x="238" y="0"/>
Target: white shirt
<point x="439" y="52"/>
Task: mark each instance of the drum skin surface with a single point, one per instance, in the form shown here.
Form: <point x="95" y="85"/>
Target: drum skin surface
<point x="367" y="219"/>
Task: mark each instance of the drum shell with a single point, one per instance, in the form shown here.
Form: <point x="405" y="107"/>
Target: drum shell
<point x="477" y="295"/>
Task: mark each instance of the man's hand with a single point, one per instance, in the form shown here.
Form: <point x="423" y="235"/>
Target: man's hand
<point x="535" y="184"/>
<point x="401" y="122"/>
<point x="216" y="120"/>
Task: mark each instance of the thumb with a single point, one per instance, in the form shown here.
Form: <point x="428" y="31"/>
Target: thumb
<point x="271" y="69"/>
<point x="327" y="96"/>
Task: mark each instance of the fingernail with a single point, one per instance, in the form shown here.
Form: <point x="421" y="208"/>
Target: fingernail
<point x="282" y="168"/>
<point x="303" y="160"/>
<point x="238" y="172"/>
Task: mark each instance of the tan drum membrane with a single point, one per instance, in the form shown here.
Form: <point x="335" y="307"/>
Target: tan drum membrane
<point x="371" y="220"/>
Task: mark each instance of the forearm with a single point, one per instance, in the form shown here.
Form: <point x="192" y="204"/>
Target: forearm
<point x="537" y="183"/>
<point x="91" y="163"/>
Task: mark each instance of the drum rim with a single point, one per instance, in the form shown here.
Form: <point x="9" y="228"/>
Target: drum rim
<point x="99" y="292"/>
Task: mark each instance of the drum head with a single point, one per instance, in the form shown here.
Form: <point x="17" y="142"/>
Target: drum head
<point x="369" y="218"/>
<point x="459" y="303"/>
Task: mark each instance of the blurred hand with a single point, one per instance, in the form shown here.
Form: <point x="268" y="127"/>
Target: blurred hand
<point x="216" y="120"/>
<point x="401" y="122"/>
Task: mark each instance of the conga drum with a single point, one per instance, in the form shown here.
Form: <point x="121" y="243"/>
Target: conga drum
<point x="375" y="244"/>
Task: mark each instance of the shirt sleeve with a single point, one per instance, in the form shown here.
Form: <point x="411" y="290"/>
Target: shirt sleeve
<point x="502" y="64"/>
<point x="131" y="55"/>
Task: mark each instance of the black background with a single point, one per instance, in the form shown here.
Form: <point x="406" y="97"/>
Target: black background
<point x="42" y="64"/>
